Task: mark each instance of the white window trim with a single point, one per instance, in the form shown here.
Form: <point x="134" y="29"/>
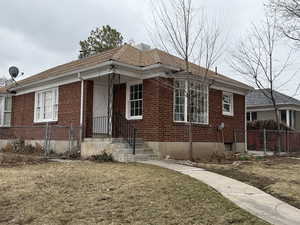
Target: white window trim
<point x="186" y="107"/>
<point x="231" y="113"/>
<point x="128" y="84"/>
<point x="35" y="106"/>
<point x="5" y="111"/>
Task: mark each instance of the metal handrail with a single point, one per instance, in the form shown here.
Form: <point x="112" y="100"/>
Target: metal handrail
<point x="124" y="129"/>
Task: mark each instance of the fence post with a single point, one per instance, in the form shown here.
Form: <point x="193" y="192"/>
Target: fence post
<point x="288" y="140"/>
<point x="265" y="141"/>
<point x="134" y="141"/>
<point x="70" y="137"/>
<point x="235" y="139"/>
<point x="46" y="140"/>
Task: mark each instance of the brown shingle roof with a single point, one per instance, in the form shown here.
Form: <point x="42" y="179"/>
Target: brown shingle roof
<point x="124" y="54"/>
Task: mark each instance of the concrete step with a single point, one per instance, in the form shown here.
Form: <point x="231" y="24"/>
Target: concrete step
<point x="127" y="157"/>
<point x="145" y="157"/>
<point x="122" y="140"/>
<point x="103" y="139"/>
<point x="149" y="152"/>
<point x="126" y="145"/>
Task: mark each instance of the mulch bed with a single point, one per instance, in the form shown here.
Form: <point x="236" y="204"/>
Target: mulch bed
<point x="13" y="160"/>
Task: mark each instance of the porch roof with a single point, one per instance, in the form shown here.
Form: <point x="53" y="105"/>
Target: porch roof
<point x="128" y="55"/>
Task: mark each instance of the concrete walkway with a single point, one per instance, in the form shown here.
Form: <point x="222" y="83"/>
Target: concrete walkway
<point x="245" y="196"/>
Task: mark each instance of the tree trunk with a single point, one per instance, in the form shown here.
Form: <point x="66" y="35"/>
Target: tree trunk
<point x="278" y="130"/>
<point x="190" y="130"/>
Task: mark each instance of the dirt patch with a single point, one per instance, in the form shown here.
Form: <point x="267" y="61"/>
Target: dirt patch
<point x="257" y="181"/>
<point x="111" y="193"/>
<point x="12" y="160"/>
<point x="278" y="176"/>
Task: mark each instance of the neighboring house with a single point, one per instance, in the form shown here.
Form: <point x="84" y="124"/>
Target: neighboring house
<point x="259" y="107"/>
<point x="114" y="91"/>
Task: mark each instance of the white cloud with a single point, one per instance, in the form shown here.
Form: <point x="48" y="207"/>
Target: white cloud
<point x="36" y="35"/>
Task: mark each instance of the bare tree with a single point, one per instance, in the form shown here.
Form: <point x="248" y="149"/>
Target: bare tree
<point x="188" y="33"/>
<point x="256" y="58"/>
<point x="288" y="12"/>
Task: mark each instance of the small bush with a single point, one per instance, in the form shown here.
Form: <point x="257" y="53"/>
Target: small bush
<point x="73" y="154"/>
<point x="266" y="124"/>
<point x="18" y="146"/>
<point x="217" y="157"/>
<point x="104" y="157"/>
<point x="7" y="148"/>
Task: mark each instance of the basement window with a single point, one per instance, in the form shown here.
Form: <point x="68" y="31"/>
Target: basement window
<point x="5" y="110"/>
<point x="46" y="106"/>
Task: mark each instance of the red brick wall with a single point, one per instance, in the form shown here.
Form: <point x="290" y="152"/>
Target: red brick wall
<point x="157" y="123"/>
<point x="68" y="113"/>
<point x="148" y="127"/>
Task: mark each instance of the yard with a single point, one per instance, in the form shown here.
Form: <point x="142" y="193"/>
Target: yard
<point x="110" y="193"/>
<point x="278" y="176"/>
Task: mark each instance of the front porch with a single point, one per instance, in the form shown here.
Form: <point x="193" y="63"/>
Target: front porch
<point x="107" y="126"/>
<point x="108" y="117"/>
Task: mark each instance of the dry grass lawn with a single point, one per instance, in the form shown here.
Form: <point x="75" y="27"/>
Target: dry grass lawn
<point x="277" y="176"/>
<point x="111" y="193"/>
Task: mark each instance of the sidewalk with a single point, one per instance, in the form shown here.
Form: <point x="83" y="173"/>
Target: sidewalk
<point x="245" y="196"/>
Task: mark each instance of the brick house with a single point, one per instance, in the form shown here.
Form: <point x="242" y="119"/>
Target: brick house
<point x="130" y="90"/>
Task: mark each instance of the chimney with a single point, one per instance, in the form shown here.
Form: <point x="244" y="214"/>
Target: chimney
<point x="143" y="47"/>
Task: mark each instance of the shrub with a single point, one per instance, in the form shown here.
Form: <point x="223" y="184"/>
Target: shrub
<point x="7" y="148"/>
<point x="103" y="157"/>
<point x="265" y="124"/>
<point x="217" y="156"/>
<point x="19" y="146"/>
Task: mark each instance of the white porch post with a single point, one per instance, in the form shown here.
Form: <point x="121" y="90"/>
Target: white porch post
<point x="288" y="119"/>
<point x="81" y="106"/>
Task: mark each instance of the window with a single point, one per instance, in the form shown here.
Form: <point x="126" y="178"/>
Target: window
<point x="288" y="117"/>
<point x="198" y="99"/>
<point x="134" y="101"/>
<point x="292" y="118"/>
<point x="283" y="115"/>
<point x="46" y="105"/>
<point x="5" y="110"/>
<point x="180" y="101"/>
<point x="251" y="116"/>
<point x="227" y="104"/>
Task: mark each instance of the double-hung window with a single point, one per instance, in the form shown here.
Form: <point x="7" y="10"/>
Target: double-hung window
<point x="5" y="110"/>
<point x="190" y="102"/>
<point x="134" y="101"/>
<point x="46" y="105"/>
<point x="227" y="102"/>
<point x="251" y="116"/>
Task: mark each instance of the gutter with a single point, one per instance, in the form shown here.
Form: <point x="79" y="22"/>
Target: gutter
<point x="132" y="67"/>
<point x="107" y="63"/>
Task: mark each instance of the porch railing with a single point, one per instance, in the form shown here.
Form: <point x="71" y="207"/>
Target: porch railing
<point x="123" y="128"/>
<point x="100" y="125"/>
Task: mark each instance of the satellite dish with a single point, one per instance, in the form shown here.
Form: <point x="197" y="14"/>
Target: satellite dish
<point x="13" y="71"/>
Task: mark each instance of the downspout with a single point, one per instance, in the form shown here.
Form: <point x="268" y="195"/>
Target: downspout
<point x="246" y="144"/>
<point x="81" y="106"/>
